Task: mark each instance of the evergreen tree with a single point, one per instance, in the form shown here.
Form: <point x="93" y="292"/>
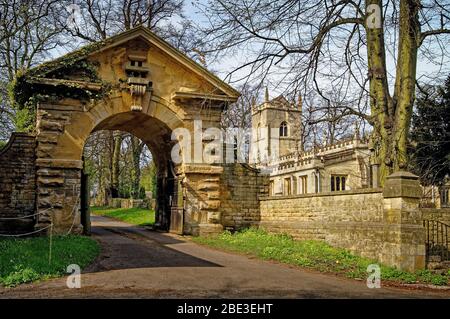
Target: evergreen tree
<point x="430" y="134"/>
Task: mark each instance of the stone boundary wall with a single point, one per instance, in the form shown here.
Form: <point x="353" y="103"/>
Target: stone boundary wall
<point x="348" y="219"/>
<point x="241" y="188"/>
<point x="382" y="224"/>
<point x="131" y="203"/>
<point x="440" y="214"/>
<point x="17" y="184"/>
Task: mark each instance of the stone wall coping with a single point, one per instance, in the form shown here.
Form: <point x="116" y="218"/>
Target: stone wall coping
<point x="11" y="140"/>
<point x="444" y="210"/>
<point x="325" y="194"/>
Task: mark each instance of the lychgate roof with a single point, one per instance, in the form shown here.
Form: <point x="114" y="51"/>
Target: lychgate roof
<point x="44" y="74"/>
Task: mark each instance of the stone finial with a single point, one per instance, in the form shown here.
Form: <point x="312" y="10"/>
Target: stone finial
<point x="402" y="184"/>
<point x="266" y="95"/>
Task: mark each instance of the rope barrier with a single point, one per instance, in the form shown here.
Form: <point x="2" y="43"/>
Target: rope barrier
<point x="74" y="216"/>
<point x="40" y="213"/>
<point x="26" y="216"/>
<point x="26" y="234"/>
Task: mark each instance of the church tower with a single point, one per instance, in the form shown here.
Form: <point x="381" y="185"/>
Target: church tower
<point x="276" y="129"/>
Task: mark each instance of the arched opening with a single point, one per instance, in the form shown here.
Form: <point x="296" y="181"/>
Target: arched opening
<point x="145" y="140"/>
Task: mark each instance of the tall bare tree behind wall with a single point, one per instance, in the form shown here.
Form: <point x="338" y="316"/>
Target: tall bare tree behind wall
<point x="365" y="50"/>
<point x="95" y="20"/>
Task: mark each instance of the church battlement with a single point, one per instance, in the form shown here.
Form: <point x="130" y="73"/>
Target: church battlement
<point x="327" y="149"/>
<point x="340" y="150"/>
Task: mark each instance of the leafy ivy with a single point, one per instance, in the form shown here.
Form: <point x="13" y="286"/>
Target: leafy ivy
<point x="26" y="91"/>
<point x="24" y="120"/>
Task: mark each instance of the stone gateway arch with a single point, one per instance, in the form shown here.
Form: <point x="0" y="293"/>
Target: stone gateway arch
<point x="137" y="83"/>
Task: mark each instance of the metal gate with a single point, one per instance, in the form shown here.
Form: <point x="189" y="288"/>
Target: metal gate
<point x="437" y="243"/>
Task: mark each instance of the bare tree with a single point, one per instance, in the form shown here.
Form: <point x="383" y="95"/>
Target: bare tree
<point x="367" y="50"/>
<point x="27" y="36"/>
<point x="95" y="20"/>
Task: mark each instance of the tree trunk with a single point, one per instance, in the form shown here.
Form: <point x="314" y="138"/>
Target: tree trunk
<point x="405" y="84"/>
<point x="391" y="115"/>
<point x="136" y="147"/>
<point x="115" y="171"/>
<point x="379" y="95"/>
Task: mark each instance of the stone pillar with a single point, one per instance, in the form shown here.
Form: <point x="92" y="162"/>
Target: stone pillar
<point x="404" y="242"/>
<point x="58" y="195"/>
<point x="201" y="185"/>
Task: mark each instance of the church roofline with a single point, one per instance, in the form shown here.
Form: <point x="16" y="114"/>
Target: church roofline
<point x="337" y="147"/>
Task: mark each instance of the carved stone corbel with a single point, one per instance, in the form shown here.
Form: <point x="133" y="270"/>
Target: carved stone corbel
<point x="138" y="88"/>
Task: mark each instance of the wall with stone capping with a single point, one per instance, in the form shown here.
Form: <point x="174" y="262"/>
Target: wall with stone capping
<point x="440" y="214"/>
<point x="17" y="184"/>
<point x="348" y="219"/>
<point x="241" y="188"/>
<point x="131" y="203"/>
<point x="381" y="224"/>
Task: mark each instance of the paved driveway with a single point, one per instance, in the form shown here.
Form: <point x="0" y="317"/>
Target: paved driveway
<point x="137" y="263"/>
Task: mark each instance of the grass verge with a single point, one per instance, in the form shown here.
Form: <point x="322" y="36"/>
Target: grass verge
<point x="310" y="254"/>
<point x="26" y="260"/>
<point x="134" y="216"/>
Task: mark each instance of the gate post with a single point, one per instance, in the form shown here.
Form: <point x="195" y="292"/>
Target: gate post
<point x="202" y="187"/>
<point x="404" y="242"/>
<point x="58" y="195"/>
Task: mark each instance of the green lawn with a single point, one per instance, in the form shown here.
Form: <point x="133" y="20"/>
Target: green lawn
<point x="311" y="254"/>
<point x="27" y="260"/>
<point x="134" y="216"/>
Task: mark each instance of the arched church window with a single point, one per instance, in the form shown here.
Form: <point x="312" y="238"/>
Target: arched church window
<point x="283" y="129"/>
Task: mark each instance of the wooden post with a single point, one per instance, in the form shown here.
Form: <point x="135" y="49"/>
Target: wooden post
<point x="84" y="204"/>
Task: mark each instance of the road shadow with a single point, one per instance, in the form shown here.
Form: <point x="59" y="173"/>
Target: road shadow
<point x="131" y="247"/>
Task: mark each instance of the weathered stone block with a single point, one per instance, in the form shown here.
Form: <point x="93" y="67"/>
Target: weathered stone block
<point x="47" y="125"/>
<point x="50" y="181"/>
